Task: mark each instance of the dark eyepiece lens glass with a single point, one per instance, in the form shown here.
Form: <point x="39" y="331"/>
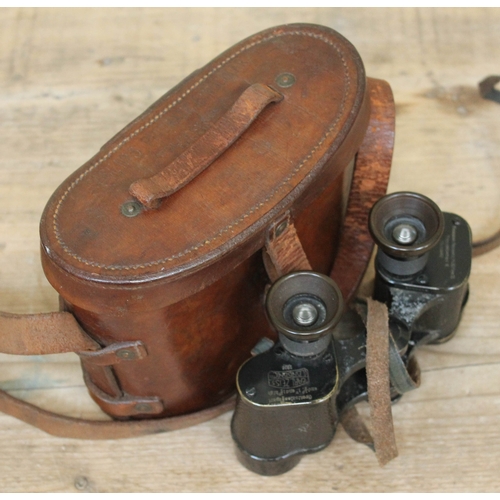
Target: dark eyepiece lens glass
<point x="304" y="311"/>
<point x="305" y="314"/>
<point x="405" y="234"/>
<point x="405" y="231"/>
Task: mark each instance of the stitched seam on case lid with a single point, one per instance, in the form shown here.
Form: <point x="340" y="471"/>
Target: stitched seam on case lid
<point x="157" y="117"/>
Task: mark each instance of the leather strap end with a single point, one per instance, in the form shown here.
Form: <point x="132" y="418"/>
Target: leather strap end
<point x="377" y="375"/>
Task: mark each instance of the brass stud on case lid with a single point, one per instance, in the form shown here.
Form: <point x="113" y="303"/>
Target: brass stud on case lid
<point x="131" y="208"/>
<point x="285" y="80"/>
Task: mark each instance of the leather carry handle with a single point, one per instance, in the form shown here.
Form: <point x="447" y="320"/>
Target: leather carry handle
<point x="207" y="148"/>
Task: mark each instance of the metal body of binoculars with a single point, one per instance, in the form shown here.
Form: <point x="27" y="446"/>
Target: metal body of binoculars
<point x="292" y="396"/>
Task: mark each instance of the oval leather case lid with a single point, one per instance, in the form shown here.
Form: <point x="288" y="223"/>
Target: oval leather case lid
<point x="322" y="81"/>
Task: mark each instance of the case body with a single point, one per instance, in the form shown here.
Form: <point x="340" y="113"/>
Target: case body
<point x="187" y="280"/>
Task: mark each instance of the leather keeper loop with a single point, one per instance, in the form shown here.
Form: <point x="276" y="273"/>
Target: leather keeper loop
<point x="116" y="353"/>
<point x="125" y="405"/>
<point x="284" y="252"/>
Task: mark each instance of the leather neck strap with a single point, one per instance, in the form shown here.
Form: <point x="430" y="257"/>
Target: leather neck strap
<point x="369" y="183"/>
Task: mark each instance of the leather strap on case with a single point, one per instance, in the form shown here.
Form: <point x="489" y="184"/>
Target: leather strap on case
<point x="369" y="183"/>
<point x="284" y="252"/>
<point x="50" y="333"/>
<point x="59" y="332"/>
<point x="68" y="427"/>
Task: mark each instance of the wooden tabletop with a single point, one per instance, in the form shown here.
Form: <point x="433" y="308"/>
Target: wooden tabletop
<point x="70" y="79"/>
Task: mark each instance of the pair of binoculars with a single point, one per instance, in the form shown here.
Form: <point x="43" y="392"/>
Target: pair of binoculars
<point x="292" y="395"/>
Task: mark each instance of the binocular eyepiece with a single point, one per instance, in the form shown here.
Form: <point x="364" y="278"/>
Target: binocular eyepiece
<point x="405" y="226"/>
<point x="304" y="307"/>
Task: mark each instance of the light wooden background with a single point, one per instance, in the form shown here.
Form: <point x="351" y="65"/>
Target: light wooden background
<point x="70" y="79"/>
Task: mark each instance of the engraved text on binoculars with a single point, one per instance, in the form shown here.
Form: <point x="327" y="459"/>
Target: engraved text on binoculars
<point x="447" y="251"/>
<point x="292" y="386"/>
<point x="291" y="395"/>
<point x="288" y="378"/>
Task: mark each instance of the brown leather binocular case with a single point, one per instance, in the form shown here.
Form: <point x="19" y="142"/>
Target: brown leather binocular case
<point x="161" y="247"/>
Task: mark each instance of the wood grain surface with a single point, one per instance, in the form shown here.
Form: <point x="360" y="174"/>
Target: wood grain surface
<point x="71" y="78"/>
